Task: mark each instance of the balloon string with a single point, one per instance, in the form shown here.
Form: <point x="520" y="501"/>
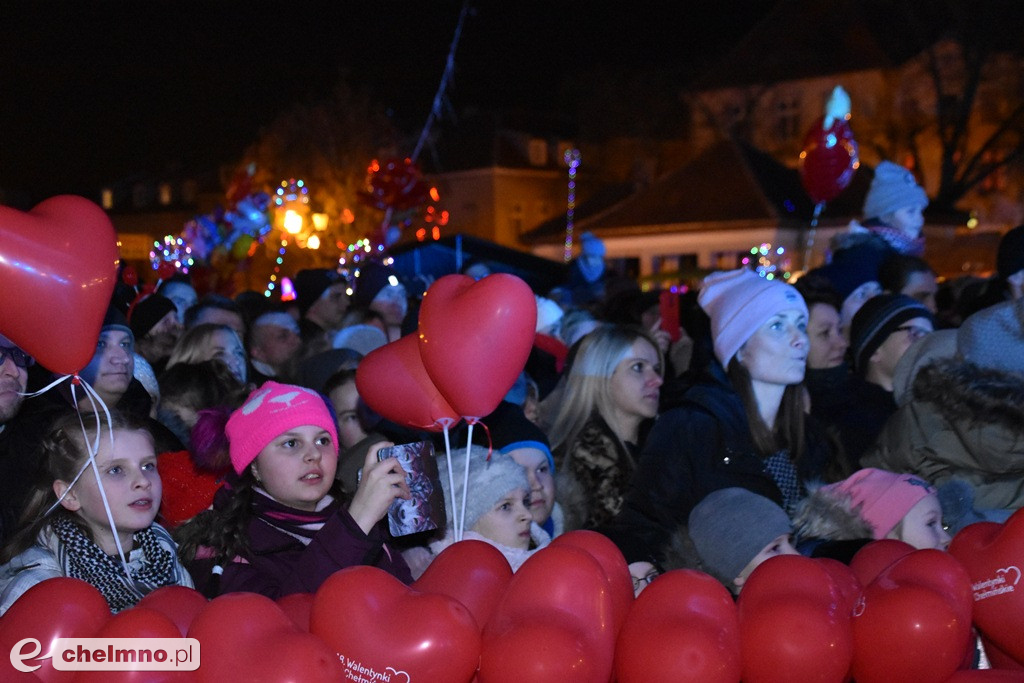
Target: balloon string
<point x="93" y="450"/>
<point x="451" y="477"/>
<point x="465" y="484"/>
<point x="809" y="247"/>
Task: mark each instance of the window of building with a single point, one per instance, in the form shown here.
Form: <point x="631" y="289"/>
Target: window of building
<point x="166" y="194"/>
<point x="787" y="117"/>
<point x="107" y="198"/>
<point x="538" y="152"/>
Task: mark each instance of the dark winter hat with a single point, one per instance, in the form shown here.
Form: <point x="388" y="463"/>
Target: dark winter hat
<point x="852" y="267"/>
<point x="994" y="336"/>
<point x="510" y="429"/>
<point x="147" y="312"/>
<point x="731" y="526"/>
<point x="373" y="277"/>
<point x="876" y="320"/>
<point x="1010" y="256"/>
<point x="115" y="320"/>
<point x="310" y="284"/>
<point x="893" y="188"/>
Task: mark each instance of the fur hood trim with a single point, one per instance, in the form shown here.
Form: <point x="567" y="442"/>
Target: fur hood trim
<point x="963" y="391"/>
<point x="829" y="515"/>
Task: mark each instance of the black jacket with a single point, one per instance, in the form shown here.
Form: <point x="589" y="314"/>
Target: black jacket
<point x="702" y="446"/>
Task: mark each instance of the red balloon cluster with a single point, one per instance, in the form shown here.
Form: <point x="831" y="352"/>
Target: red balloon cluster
<point x="60" y="258"/>
<point x="473" y="341"/>
<point x="568" y="615"/>
<point x="394" y="184"/>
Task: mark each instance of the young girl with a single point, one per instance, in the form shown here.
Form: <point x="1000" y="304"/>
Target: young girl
<point x="498" y="507"/>
<point x="279" y="527"/>
<point x="70" y="534"/>
<point x="874" y="504"/>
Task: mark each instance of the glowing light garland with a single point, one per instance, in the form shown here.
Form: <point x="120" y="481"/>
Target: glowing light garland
<point x="768" y="266"/>
<point x="572" y="159"/>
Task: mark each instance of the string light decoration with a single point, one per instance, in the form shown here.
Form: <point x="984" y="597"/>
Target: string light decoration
<point x="291" y="190"/>
<point x="572" y="160"/>
<point x="771" y="262"/>
<point x="268" y="291"/>
<point x="172" y="250"/>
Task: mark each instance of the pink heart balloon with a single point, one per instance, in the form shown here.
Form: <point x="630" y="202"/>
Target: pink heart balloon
<point x="58" y="263"/>
<point x="393" y="381"/>
<point x="475" y="337"/>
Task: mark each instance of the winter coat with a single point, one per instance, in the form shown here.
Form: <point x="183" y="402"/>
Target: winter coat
<point x="281" y="564"/>
<point x="963" y="422"/>
<point x="46" y="559"/>
<point x="601" y="468"/>
<point x="702" y="446"/>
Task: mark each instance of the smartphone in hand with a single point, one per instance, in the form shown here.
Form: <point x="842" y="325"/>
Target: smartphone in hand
<point x="425" y="510"/>
<point x="668" y="307"/>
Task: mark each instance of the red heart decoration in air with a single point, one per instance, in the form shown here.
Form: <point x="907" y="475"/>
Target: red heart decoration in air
<point x="58" y="263"/>
<point x="473" y="572"/>
<point x="475" y="337"/>
<point x="393" y="381"/>
<point x="828" y="160"/>
<point x="608" y="555"/>
<point x="993" y="555"/>
<point x="375" y="623"/>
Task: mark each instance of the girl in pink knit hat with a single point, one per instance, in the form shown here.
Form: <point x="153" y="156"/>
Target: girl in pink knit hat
<point x="280" y="525"/>
<point x="875" y="504"/>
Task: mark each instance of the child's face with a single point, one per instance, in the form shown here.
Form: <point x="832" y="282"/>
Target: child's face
<point x="541" y="478"/>
<point x="922" y="528"/>
<point x="780" y="546"/>
<point x="909" y="220"/>
<point x="132" y="484"/>
<point x="297" y="468"/>
<point x="508" y="522"/>
<point x="344" y="399"/>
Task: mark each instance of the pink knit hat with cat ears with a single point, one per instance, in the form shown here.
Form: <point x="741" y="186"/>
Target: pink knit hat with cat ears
<point x="270" y="411"/>
<point x="738" y="303"/>
<point x="882" y="498"/>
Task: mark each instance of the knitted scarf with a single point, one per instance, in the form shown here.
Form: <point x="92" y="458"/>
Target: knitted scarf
<point x="899" y="241"/>
<point x="82" y="559"/>
<point x="301" y="525"/>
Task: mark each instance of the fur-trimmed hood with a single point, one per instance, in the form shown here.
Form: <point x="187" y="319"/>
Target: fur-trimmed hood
<point x="829" y="515"/>
<point x="962" y="391"/>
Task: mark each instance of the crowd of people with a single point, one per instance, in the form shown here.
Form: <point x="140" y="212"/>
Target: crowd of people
<point x="866" y="401"/>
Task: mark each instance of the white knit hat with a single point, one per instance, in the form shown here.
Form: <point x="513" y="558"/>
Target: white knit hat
<point x="489" y="481"/>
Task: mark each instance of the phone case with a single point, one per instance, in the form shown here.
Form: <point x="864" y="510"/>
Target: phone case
<point x="425" y="510"/>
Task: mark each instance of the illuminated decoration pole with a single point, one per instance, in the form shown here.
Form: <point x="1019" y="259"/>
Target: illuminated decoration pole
<point x="572" y="159"/>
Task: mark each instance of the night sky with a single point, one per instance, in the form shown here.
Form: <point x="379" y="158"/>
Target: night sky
<point x="93" y="92"/>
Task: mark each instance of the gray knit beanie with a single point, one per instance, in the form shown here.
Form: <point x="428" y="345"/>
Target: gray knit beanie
<point x="489" y="481"/>
<point x="893" y="188"/>
<point x="731" y="526"/>
<point x="994" y="337"/>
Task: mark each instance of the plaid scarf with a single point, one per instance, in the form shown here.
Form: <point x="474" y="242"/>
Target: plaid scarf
<point x="82" y="559"/>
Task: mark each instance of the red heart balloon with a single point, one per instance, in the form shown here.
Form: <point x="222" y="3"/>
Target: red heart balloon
<point x="608" y="555"/>
<point x="376" y="624"/>
<point x="846" y="582"/>
<point x="828" y="160"/>
<point x="986" y="676"/>
<point x="59" y="258"/>
<point x="137" y="622"/>
<point x="298" y="607"/>
<point x="541" y="652"/>
<point x="559" y="586"/>
<point x="473" y="572"/>
<point x="179" y="603"/>
<point x="475" y="337"/>
<point x="393" y="381"/>
<point x="875" y="557"/>
<point x="993" y="555"/>
<point x="228" y="627"/>
<point x="791" y="575"/>
<point x="683" y="628"/>
<point x="51" y="609"/>
<point x="912" y="626"/>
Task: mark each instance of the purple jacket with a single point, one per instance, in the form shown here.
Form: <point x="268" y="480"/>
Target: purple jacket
<point x="282" y="565"/>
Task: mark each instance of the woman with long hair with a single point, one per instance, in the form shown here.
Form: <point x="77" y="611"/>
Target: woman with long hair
<point x="743" y="424"/>
<point x="612" y="387"/>
<point x="210" y="341"/>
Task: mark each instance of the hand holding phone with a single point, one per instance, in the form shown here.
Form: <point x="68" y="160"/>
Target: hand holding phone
<point x="423" y="510"/>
